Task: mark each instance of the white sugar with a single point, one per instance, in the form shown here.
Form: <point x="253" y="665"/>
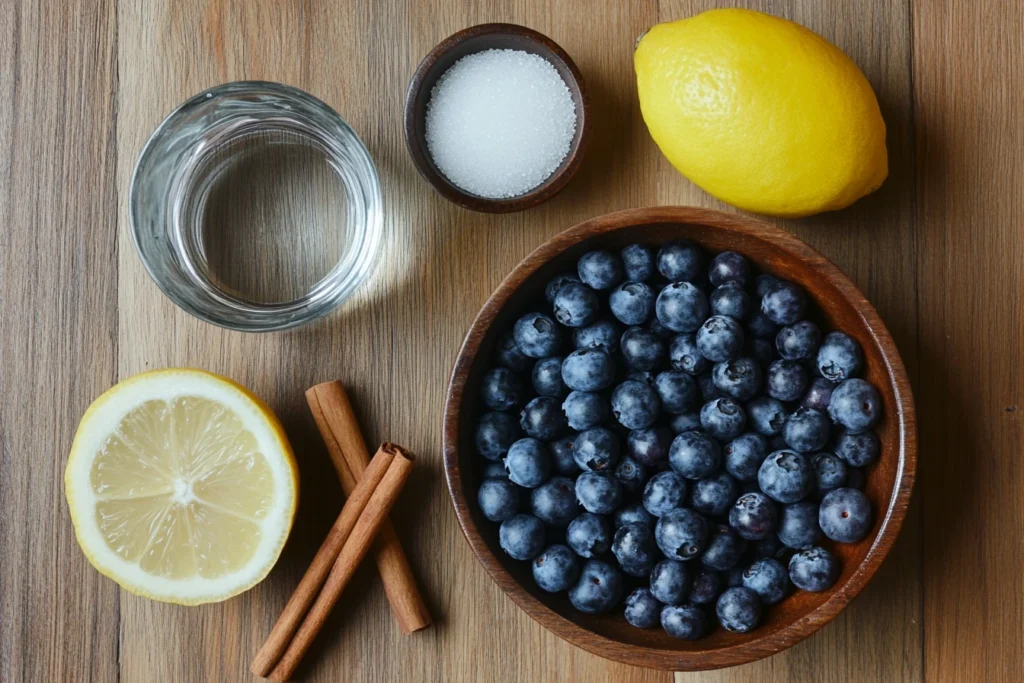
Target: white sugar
<point x="500" y="122"/>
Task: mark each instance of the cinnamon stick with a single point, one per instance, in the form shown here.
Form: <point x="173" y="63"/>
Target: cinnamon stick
<point x="337" y="423"/>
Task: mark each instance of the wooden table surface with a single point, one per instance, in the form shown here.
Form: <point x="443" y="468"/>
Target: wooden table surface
<point x="939" y="250"/>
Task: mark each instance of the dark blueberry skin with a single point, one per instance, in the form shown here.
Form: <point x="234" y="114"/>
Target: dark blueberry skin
<point x="708" y="390"/>
<point x="798" y="341"/>
<point x="686" y="621"/>
<point x="604" y="334"/>
<point x="786" y="476"/>
<point x="588" y="535"/>
<point x="738" y="610"/>
<point x="638" y="263"/>
<point x="670" y="581"/>
<point x="762" y="350"/>
<point x="706" y="587"/>
<point x="739" y="378"/>
<point x="855" y="478"/>
<point x="511" y="357"/>
<point x="768" y="578"/>
<point x="761" y="327"/>
<point x="542" y="419"/>
<point x="839" y="357"/>
<point x="498" y="499"/>
<point x="588" y="370"/>
<point x="729" y="266"/>
<point x="855" y="405"/>
<point x="554" y="501"/>
<point x="694" y="455"/>
<point x="495" y="433"/>
<point x="537" y="335"/>
<point x="806" y="430"/>
<point x="576" y="305"/>
<point x="522" y="537"/>
<point x="496" y="470"/>
<point x="798" y="525"/>
<point x="829" y="473"/>
<point x="600" y="269"/>
<point x="598" y="492"/>
<point x="633" y="513"/>
<point x="561" y="456"/>
<point x="785" y="303"/>
<point x="767" y="547"/>
<point x="681" y="261"/>
<point x="642" y="609"/>
<point x="684" y="355"/>
<point x="714" y="495"/>
<point x="634" y="548"/>
<point x="528" y="463"/>
<point x="632" y="303"/>
<point x="767" y="415"/>
<point x="786" y="380"/>
<point x="744" y="455"/>
<point x="764" y="283"/>
<point x="547" y="377"/>
<point x="631" y="475"/>
<point x="556" y="569"/>
<point x="555" y="284"/>
<point x="585" y="409"/>
<point x="723" y="418"/>
<point x="664" y="492"/>
<point x="655" y="326"/>
<point x="642" y="376"/>
<point x="598" y="589"/>
<point x="682" y="307"/>
<point x="720" y="338"/>
<point x="845" y="515"/>
<point x="502" y="389"/>
<point x="677" y="391"/>
<point x="814" y="569"/>
<point x="858" y="448"/>
<point x="684" y="422"/>
<point x="635" y="405"/>
<point x="724" y="548"/>
<point x="650" y="446"/>
<point x="731" y="300"/>
<point x="818" y="394"/>
<point x="681" y="534"/>
<point x="642" y="349"/>
<point x="734" y="577"/>
<point x="777" y="443"/>
<point x="754" y="516"/>
<point x="596" y="450"/>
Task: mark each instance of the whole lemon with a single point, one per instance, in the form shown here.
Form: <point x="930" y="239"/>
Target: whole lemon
<point x="761" y="112"/>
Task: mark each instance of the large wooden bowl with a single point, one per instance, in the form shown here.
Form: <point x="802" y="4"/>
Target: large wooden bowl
<point x="841" y="306"/>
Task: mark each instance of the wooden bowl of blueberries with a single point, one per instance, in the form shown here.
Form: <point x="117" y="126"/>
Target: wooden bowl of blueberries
<point x="679" y="438"/>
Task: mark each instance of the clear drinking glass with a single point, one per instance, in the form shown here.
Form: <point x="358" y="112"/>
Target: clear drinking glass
<point x="187" y="159"/>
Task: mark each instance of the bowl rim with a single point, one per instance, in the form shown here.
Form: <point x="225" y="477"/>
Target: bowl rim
<point x="757" y="647"/>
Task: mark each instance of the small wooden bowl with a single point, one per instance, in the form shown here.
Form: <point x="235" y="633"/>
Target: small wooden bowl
<point x="841" y="306"/>
<point x="476" y="39"/>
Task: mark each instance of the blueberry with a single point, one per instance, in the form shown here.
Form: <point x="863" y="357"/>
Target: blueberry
<point x="684" y="355"/>
<point x="498" y="499"/>
<point x="686" y="621"/>
<point x="495" y="433"/>
<point x="655" y="326"/>
<point x="714" y="495"/>
<point x="738" y="610"/>
<point x="633" y="513"/>
<point x="708" y="390"/>
<point x="585" y="409"/>
<point x="729" y="266"/>
<point x="798" y="525"/>
<point x="677" y="391"/>
<point x="588" y="535"/>
<point x="631" y="475"/>
<point x="753" y="516"/>
<point x="542" y="419"/>
<point x="744" y="455"/>
<point x="634" y="548"/>
<point x="642" y="349"/>
<point x="576" y="305"/>
<point x="649" y="446"/>
<point x="600" y="269"/>
<point x="522" y="537"/>
<point x="496" y="470"/>
<point x="604" y="333"/>
<point x="679" y="261"/>
<point x="556" y="569"/>
<point x="555" y="284"/>
<point x="723" y="418"/>
<point x="588" y="370"/>
<point x="642" y="376"/>
<point x="632" y="303"/>
<point x="798" y="341"/>
<point x="724" y="548"/>
<point x="786" y="476"/>
<point x="596" y="450"/>
<point x="682" y="307"/>
<point x="814" y="569"/>
<point x="642" y="609"/>
<point x="502" y="389"/>
<point x="765" y="283"/>
<point x="768" y="578"/>
<point x="598" y="589"/>
<point x="760" y="327"/>
<point x="770" y="546"/>
<point x="777" y="443"/>
<point x="554" y="501"/>
<point x="598" y="492"/>
<point x="839" y="357"/>
<point x="785" y="303"/>
<point x="547" y="377"/>
<point x="635" y="405"/>
<point x="858" y="448"/>
<point x="818" y="394"/>
<point x="767" y="415"/>
<point x="537" y="335"/>
<point x="786" y="380"/>
<point x="664" y="492"/>
<point x="734" y="577"/>
<point x="720" y="338"/>
<point x="670" y="581"/>
<point x="855" y="405"/>
<point x="829" y="473"/>
<point x="681" y="534"/>
<point x="511" y="357"/>
<point x="694" y="455"/>
<point x="638" y="263"/>
<point x="684" y="422"/>
<point x="806" y="430"/>
<point x="561" y="456"/>
<point x="845" y="515"/>
<point x="762" y="350"/>
<point x="731" y="300"/>
<point x="706" y="586"/>
<point x="739" y="378"/>
<point x="528" y="463"/>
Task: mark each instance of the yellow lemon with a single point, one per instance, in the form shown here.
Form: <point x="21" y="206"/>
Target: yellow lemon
<point x="182" y="486"/>
<point x="761" y="112"/>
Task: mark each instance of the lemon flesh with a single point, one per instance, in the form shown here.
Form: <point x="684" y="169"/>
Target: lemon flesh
<point x="761" y="112"/>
